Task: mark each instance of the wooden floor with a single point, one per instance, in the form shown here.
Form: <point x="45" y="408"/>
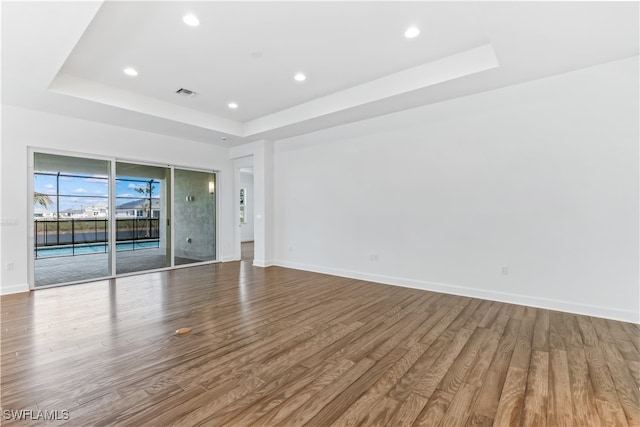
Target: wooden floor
<point x="246" y="252"/>
<point x="283" y="347"/>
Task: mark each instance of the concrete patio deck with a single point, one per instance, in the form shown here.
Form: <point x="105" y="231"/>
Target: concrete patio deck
<point x="65" y="269"/>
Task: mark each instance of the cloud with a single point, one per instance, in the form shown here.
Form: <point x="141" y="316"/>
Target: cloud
<point x="132" y="185"/>
<point x="49" y="186"/>
<point x="79" y="190"/>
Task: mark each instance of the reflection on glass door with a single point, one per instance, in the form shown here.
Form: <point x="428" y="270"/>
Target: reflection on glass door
<point x="71" y="219"/>
<point x="141" y="214"/>
<point x="194" y="216"/>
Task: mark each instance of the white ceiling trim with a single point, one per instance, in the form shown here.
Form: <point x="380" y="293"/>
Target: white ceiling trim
<point x="97" y="92"/>
<point x="462" y="64"/>
<point x="531" y="39"/>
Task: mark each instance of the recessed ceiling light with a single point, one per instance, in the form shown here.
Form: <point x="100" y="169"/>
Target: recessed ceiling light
<point x="412" y="32"/>
<point x="191" y="20"/>
<point x="130" y="71"/>
<point x="300" y="77"/>
<point x="232" y="105"/>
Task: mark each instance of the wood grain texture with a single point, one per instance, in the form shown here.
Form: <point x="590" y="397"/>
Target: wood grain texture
<point x="559" y="408"/>
<point x="280" y="347"/>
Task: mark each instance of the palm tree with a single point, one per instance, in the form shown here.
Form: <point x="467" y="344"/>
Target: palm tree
<point x="147" y="205"/>
<point x="41" y="199"/>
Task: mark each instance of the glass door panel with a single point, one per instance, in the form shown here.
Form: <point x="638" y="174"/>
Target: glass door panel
<point x="141" y="214"/>
<point x="194" y="216"/>
<point x="71" y="219"/>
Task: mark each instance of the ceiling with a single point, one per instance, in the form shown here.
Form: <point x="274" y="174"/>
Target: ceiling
<point x="68" y="58"/>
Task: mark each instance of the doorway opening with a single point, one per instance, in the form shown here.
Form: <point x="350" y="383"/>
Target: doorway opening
<point x="246" y="214"/>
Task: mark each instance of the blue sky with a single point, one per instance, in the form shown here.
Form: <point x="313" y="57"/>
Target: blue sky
<point x="86" y="191"/>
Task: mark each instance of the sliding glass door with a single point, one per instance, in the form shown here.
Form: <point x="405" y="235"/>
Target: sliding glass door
<point x="141" y="213"/>
<point x="71" y="219"/>
<point x="99" y="218"/>
<point x="194" y="216"/>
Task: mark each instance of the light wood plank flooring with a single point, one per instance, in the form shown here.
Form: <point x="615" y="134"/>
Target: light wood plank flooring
<point x="283" y="347"/>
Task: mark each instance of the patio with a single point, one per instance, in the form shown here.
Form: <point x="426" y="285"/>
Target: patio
<point x="55" y="270"/>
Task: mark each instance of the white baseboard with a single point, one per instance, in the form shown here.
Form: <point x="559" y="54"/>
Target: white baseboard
<point x="13" y="289"/>
<point x="549" y="304"/>
<point x="229" y="259"/>
<point x="263" y="263"/>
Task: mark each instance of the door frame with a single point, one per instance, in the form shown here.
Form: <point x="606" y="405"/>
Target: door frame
<point x="240" y="163"/>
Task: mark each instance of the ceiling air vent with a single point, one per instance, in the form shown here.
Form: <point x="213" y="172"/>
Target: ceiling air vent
<point x="185" y="92"/>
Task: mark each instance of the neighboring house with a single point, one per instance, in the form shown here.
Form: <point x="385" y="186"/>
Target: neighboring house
<point x="138" y="209"/>
<point x="99" y="210"/>
<point x="40" y="213"/>
<point x="132" y="209"/>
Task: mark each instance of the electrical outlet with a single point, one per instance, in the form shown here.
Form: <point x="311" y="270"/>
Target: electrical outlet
<point x="373" y="257"/>
<point x="504" y="270"/>
<point x="11" y="265"/>
<point x="290" y="248"/>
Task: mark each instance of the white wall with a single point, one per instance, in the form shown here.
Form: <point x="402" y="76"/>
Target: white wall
<point x="22" y="128"/>
<point x="541" y="177"/>
<point x="246" y="229"/>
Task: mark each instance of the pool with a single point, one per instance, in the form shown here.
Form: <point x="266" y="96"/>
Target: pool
<point x="92" y="248"/>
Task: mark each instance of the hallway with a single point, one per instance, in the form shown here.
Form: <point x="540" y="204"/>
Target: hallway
<point x="246" y="251"/>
